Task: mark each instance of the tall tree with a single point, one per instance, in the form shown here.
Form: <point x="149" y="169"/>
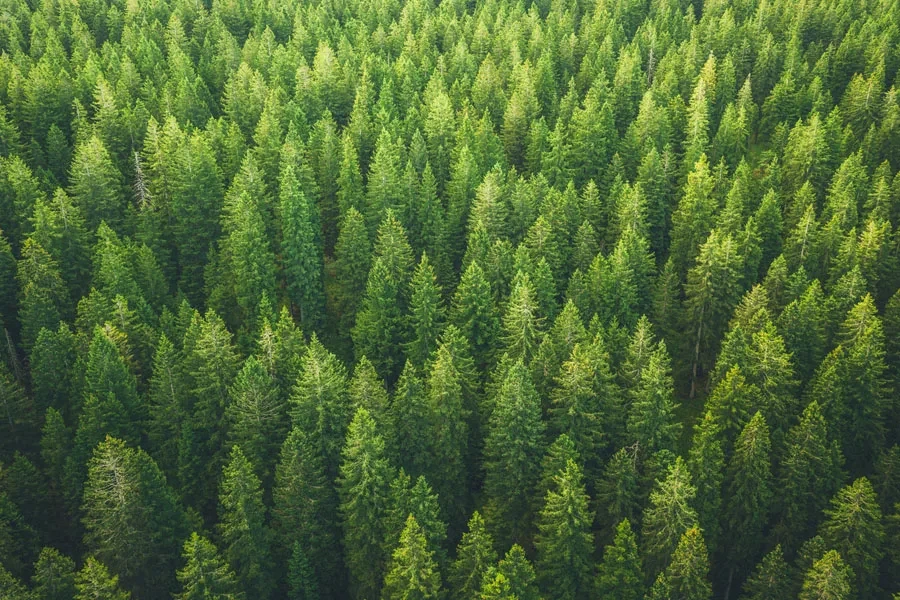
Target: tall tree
<point x="564" y="541"/>
<point x="364" y="492"/>
<point x="688" y="573"/>
<point x="245" y="536"/>
<point x="668" y="516"/>
<point x="475" y="555"/>
<point x="426" y="313"/>
<point x="828" y="579"/>
<point x="205" y="574"/>
<point x="412" y="572"/>
<point x="620" y="574"/>
<point x="94" y="581"/>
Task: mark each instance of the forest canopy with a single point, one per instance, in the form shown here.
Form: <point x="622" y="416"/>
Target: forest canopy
<point x="463" y="300"/>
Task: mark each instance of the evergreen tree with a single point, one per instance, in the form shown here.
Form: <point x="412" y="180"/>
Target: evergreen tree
<point x="770" y="578"/>
<point x="43" y="299"/>
<point x="132" y="519"/>
<point x="519" y="574"/>
<point x="688" y="573"/>
<point x="475" y="555"/>
<point x="97" y="184"/>
<point x="416" y="499"/>
<point x="706" y="462"/>
<point x="412" y="572"/>
<point x="620" y="573"/>
<point x="54" y="576"/>
<point x="242" y="525"/>
<point x="853" y="527"/>
<point x="94" y="581"/>
<point x="651" y="420"/>
<point x="828" y="579"/>
<point x="301" y="251"/>
<point x="352" y="254"/>
<point x="564" y="541"/>
<point x="668" y="516"/>
<point x="426" y="313"/>
<point x="513" y="445"/>
<point x="205" y="574"/>
<point x="522" y="323"/>
<point x="364" y="492"/>
<point x="474" y="314"/>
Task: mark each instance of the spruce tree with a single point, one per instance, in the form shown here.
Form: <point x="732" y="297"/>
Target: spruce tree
<point x="54" y="576"/>
<point x="620" y="574"/>
<point x="242" y="527"/>
<point x="668" y="516"/>
<point x="475" y="555"/>
<point x="829" y="579"/>
<point x="412" y="572"/>
<point x="94" y="581"/>
<point x="564" y="542"/>
<point x="688" y="573"/>
<point x="205" y="574"/>
<point x="426" y="313"/>
<point x="363" y="486"/>
<point x="770" y="578"/>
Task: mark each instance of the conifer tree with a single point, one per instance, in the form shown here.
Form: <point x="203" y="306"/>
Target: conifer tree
<point x="94" y="581"/>
<point x="97" y="184"/>
<point x="132" y="519"/>
<point x="474" y="314"/>
<point x="564" y="541"/>
<point x="828" y="579"/>
<point x="416" y="499"/>
<point x="352" y="254"/>
<point x="620" y="574"/>
<point x="853" y="526"/>
<point x="363" y="486"/>
<point x="412" y="572"/>
<point x="475" y="555"/>
<point x="205" y="574"/>
<point x="668" y="516"/>
<point x="688" y="573"/>
<point x="519" y="574"/>
<point x="54" y="576"/>
<point x="43" y="299"/>
<point x="706" y="462"/>
<point x="513" y="446"/>
<point x="651" y="420"/>
<point x="304" y="512"/>
<point x="770" y="578"/>
<point x="522" y="324"/>
<point x="426" y="313"/>
<point x="301" y="249"/>
<point x="242" y="526"/>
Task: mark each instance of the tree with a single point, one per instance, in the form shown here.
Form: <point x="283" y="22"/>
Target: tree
<point x="564" y="542"/>
<point x="205" y="574"/>
<point x="750" y="492"/>
<point x="304" y="512"/>
<point x="54" y="576"/>
<point x="651" y="420"/>
<point x="448" y="435"/>
<point x="97" y="184"/>
<point x="770" y="578"/>
<point x="415" y="499"/>
<point x="512" y="449"/>
<point x="619" y="495"/>
<point x="43" y="299"/>
<point x="258" y="418"/>
<point x="363" y="486"/>
<point x="60" y="228"/>
<point x="242" y="525"/>
<point x="474" y="314"/>
<point x="412" y="572"/>
<point x="668" y="516"/>
<point x="353" y="257"/>
<point x="688" y="573"/>
<point x="426" y="313"/>
<point x="475" y="556"/>
<point x="706" y="462"/>
<point x="301" y="250"/>
<point x="522" y="323"/>
<point x="828" y="579"/>
<point x="518" y="573"/>
<point x="132" y="519"/>
<point x="712" y="290"/>
<point x="320" y="404"/>
<point x="620" y="574"/>
<point x="94" y="581"/>
<point x="853" y="526"/>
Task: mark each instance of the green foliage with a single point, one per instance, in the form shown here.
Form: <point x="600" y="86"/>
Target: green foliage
<point x="205" y="574"/>
<point x="828" y="579"/>
<point x="412" y="572"/>
<point x="475" y="555"/>
<point x="95" y="581"/>
<point x="620" y="574"/>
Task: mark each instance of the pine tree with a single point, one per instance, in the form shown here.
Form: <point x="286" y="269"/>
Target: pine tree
<point x="828" y="579"/>
<point x="412" y="572"/>
<point x="94" y="581"/>
<point x="166" y="406"/>
<point x="426" y="313"/>
<point x="447" y="429"/>
<point x="320" y="404"/>
<point x="519" y="574"/>
<point x="205" y="574"/>
<point x="304" y="512"/>
<point x="353" y="257"/>
<point x="770" y="578"/>
<point x="750" y="492"/>
<point x="513" y="446"/>
<point x="97" y="184"/>
<point x="132" y="519"/>
<point x="475" y="555"/>
<point x="416" y="499"/>
<point x="688" y="573"/>
<point x="620" y="573"/>
<point x="474" y="314"/>
<point x="564" y="542"/>
<point x="363" y="485"/>
<point x="60" y="228"/>
<point x="301" y="250"/>
<point x="853" y="527"/>
<point x="651" y="420"/>
<point x="242" y="525"/>
<point x="43" y="298"/>
<point x="668" y="516"/>
<point x="619" y="493"/>
<point x="706" y="462"/>
<point x="54" y="576"/>
<point x="258" y="419"/>
<point x="522" y="323"/>
<point x="301" y="579"/>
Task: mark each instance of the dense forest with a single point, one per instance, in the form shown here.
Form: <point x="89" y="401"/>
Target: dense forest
<point x="469" y="300"/>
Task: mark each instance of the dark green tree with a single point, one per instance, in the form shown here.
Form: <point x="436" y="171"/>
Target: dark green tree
<point x="770" y="578"/>
<point x="205" y="574"/>
<point x="475" y="556"/>
<point x="620" y="574"/>
<point x="668" y="516"/>
<point x="54" y="576"/>
<point x="688" y="573"/>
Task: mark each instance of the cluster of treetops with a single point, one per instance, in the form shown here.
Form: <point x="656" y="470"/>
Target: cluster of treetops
<point x="484" y="300"/>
